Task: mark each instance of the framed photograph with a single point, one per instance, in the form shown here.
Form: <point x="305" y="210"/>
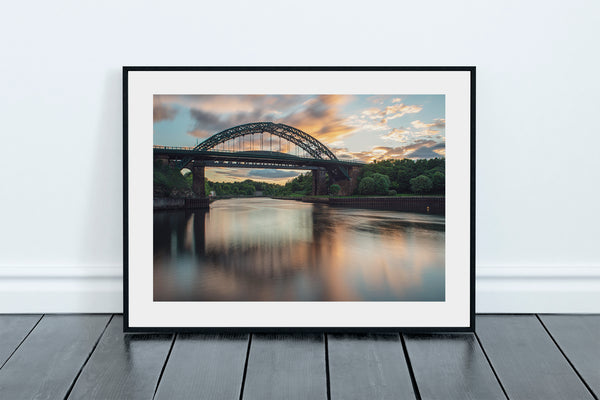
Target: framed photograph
<point x="299" y="198"/>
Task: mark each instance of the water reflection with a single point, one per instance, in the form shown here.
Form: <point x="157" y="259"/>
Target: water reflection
<point x="279" y="250"/>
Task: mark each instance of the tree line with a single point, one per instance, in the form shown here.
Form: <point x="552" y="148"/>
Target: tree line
<point x="406" y="176"/>
<point x="388" y="177"/>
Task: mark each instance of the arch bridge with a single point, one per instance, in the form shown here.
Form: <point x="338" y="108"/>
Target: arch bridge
<point x="265" y="145"/>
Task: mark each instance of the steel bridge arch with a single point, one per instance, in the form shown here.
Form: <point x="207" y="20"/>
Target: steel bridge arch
<point x="302" y="139"/>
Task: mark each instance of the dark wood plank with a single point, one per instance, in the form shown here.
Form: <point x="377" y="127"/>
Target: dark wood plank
<point x="205" y="367"/>
<point x="123" y="366"/>
<point x="579" y="338"/>
<point x="286" y="367"/>
<point x="451" y="367"/>
<point x="526" y="360"/>
<point x="13" y="329"/>
<point x="46" y="364"/>
<point x="368" y="367"/>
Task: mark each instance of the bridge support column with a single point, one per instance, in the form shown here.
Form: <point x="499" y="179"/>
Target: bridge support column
<point x="349" y="186"/>
<point x="319" y="186"/>
<point x="164" y="160"/>
<point x="198" y="181"/>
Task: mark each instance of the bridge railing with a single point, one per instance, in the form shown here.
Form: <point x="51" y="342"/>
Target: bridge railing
<point x="173" y="147"/>
<point x="343" y="158"/>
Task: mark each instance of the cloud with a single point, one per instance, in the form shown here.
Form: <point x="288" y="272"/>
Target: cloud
<point x="226" y="104"/>
<point x="420" y="149"/>
<point x="397" y="134"/>
<point x="162" y="111"/>
<point x="207" y="123"/>
<point x="229" y="172"/>
<point x="320" y="118"/>
<point x="378" y="99"/>
<point x="241" y="174"/>
<point x="437" y="123"/>
<point x="272" y="173"/>
<point x="391" y="112"/>
<point x="440" y="149"/>
<point x="423" y="152"/>
<point x="428" y="130"/>
<point x="200" y="133"/>
<point x="204" y="118"/>
<point x="428" y="150"/>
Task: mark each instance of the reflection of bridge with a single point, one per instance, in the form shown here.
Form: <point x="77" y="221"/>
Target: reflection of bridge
<point x="252" y="146"/>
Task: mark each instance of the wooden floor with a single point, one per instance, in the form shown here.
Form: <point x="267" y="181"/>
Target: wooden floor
<point x="510" y="356"/>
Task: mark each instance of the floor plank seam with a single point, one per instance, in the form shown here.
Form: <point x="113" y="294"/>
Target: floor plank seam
<point x="411" y="372"/>
<point x="246" y="366"/>
<point x="162" y="371"/>
<point x="87" y="358"/>
<point x="491" y="366"/>
<point x="566" y="358"/>
<point x="327" y="375"/>
<point x="21" y="342"/>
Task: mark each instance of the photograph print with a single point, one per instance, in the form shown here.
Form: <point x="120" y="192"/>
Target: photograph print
<point x="262" y="199"/>
<point x="299" y="197"/>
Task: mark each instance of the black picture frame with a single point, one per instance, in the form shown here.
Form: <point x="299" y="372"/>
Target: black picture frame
<point x="129" y="328"/>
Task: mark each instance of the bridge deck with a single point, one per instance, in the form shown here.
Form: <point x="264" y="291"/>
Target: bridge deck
<point x="264" y="157"/>
<point x="88" y="357"/>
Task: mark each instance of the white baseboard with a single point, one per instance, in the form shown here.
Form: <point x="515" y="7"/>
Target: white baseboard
<point x="568" y="289"/>
<point x="99" y="289"/>
<point x="50" y="289"/>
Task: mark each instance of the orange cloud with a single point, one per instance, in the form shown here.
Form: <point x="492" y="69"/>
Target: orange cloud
<point x="420" y="149"/>
<point x="321" y="120"/>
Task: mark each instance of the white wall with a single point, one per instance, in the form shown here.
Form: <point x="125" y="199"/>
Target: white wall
<point x="538" y="99"/>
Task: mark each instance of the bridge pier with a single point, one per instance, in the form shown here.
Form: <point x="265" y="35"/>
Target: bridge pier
<point x="349" y="186"/>
<point x="164" y="160"/>
<point x="198" y="180"/>
<point x="319" y="186"/>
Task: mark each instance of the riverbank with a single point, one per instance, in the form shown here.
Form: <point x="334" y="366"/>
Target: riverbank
<point x="427" y="205"/>
<point x="167" y="203"/>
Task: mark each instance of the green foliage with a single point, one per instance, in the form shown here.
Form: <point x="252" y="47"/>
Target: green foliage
<point x="299" y="186"/>
<point x="439" y="182"/>
<point x="366" y="186"/>
<point x="421" y="184"/>
<point x="388" y="177"/>
<point x="382" y="183"/>
<point x="169" y="182"/>
<point x="335" y="189"/>
<point x="400" y="172"/>
<point x="244" y="188"/>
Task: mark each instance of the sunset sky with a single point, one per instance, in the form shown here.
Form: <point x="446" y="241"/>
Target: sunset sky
<point x="364" y="127"/>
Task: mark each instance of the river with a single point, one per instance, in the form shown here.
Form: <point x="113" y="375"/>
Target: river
<point x="261" y="249"/>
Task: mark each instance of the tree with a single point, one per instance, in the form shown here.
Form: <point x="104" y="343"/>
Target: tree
<point x="421" y="184"/>
<point x="335" y="189"/>
<point x="366" y="186"/>
<point x="439" y="182"/>
<point x="382" y="183"/>
<point x="400" y="172"/>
